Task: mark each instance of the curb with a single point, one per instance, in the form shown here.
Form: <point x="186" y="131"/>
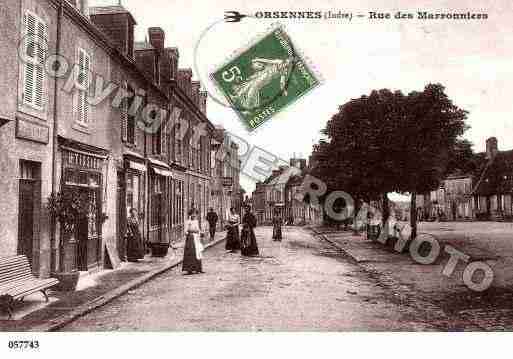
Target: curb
<point x="336" y="245"/>
<point x="100" y="301"/>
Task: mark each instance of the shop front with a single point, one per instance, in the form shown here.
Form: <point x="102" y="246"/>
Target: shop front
<point x="130" y="195"/>
<point x="176" y="207"/>
<point x="159" y="183"/>
<point x="83" y="180"/>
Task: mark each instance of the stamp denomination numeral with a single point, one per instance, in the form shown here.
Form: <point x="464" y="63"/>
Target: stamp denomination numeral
<point x="231" y="74"/>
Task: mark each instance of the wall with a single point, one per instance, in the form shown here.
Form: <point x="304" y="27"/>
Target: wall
<point x="13" y="149"/>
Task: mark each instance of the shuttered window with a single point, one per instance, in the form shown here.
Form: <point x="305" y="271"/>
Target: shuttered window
<point x="35" y="37"/>
<point x="83" y="82"/>
<point x="164" y="132"/>
<point x="124" y="107"/>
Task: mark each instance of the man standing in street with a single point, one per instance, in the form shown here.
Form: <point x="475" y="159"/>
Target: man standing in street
<point x="212" y="219"/>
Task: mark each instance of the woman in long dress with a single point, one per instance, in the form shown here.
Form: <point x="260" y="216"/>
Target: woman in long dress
<point x="232" y="237"/>
<point x="134" y="244"/>
<point x="277" y="222"/>
<point x="249" y="246"/>
<point x="193" y="251"/>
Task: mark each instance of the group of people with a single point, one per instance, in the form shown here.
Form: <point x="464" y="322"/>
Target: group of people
<point x="245" y="241"/>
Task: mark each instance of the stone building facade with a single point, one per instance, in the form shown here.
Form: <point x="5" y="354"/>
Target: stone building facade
<point x="117" y="123"/>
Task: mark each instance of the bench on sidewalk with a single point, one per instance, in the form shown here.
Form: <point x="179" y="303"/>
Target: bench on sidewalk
<point x="17" y="282"/>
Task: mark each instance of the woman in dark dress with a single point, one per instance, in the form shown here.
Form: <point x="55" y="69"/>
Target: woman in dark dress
<point x="193" y="251"/>
<point x="277" y="222"/>
<point x="134" y="245"/>
<point x="232" y="237"/>
<point x="249" y="245"/>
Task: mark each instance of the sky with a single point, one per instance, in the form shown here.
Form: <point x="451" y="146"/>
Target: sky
<point x="472" y="59"/>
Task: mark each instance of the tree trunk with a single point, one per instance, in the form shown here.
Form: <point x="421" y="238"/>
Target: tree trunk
<point x="413" y="215"/>
<point x="385" y="215"/>
<point x="386" y="210"/>
<point x="355" y="214"/>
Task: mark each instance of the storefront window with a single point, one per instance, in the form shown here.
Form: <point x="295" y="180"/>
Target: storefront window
<point x="132" y="192"/>
<point x="178" y="203"/>
<point x="156" y="199"/>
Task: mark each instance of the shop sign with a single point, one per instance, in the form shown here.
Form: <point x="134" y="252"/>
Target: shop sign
<point x="32" y="131"/>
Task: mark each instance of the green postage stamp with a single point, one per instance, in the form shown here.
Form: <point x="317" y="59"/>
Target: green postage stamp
<point x="265" y="78"/>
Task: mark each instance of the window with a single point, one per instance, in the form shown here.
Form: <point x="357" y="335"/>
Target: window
<point x="130" y="133"/>
<point x="83" y="82"/>
<point x="156" y="138"/>
<point x="132" y="192"/>
<point x="178" y="203"/>
<point x="177" y="144"/>
<point x="157" y="194"/>
<point x="35" y="36"/>
<point x="164" y="134"/>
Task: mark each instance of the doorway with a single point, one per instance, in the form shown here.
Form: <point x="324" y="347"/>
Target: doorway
<point x="29" y="208"/>
<point x="88" y="236"/>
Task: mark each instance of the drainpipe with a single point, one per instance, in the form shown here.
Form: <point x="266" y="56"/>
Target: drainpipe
<point x="53" y="223"/>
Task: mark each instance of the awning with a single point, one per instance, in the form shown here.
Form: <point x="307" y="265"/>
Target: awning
<point x="162" y="172"/>
<point x="136" y="166"/>
<point x="158" y="163"/>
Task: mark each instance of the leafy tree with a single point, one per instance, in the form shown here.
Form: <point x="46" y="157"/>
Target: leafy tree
<point x="389" y="142"/>
<point x="430" y="139"/>
<point x="359" y="156"/>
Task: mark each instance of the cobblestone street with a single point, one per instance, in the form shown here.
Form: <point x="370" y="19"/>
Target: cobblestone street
<point x="302" y="283"/>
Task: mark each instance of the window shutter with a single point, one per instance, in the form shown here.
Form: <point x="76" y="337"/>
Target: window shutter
<point x="163" y="141"/>
<point x="30" y="33"/>
<point x="135" y="131"/>
<point x="28" y="94"/>
<point x="36" y="40"/>
<point x="84" y="64"/>
<point x="124" y="118"/>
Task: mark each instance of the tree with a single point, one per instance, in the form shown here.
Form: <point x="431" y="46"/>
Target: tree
<point x="389" y="142"/>
<point x="430" y="139"/>
<point x="360" y="154"/>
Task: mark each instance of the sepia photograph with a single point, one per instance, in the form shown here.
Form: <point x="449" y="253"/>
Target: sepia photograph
<point x="280" y="173"/>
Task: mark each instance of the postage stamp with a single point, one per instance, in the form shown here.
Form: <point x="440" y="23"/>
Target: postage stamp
<point x="265" y="78"/>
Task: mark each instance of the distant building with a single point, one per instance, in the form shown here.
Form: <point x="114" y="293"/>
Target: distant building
<point x="279" y="194"/>
<point x="485" y="194"/>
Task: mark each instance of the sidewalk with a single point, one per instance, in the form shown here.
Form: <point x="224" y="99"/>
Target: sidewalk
<point x="488" y="310"/>
<point x="93" y="291"/>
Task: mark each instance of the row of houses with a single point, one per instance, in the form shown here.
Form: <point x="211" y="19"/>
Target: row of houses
<point x="483" y="194"/>
<point x="56" y="136"/>
<point x="278" y="196"/>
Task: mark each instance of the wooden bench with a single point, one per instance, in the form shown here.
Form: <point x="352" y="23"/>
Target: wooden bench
<point x="17" y="281"/>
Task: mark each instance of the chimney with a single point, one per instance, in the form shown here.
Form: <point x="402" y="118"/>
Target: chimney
<point x="491" y="148"/>
<point x="203" y="101"/>
<point x="84" y="9"/>
<point x="195" y="90"/>
<point x="117" y="24"/>
<point x="299" y="163"/>
<point x="184" y="80"/>
<point x="157" y="37"/>
<point x="173" y="55"/>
